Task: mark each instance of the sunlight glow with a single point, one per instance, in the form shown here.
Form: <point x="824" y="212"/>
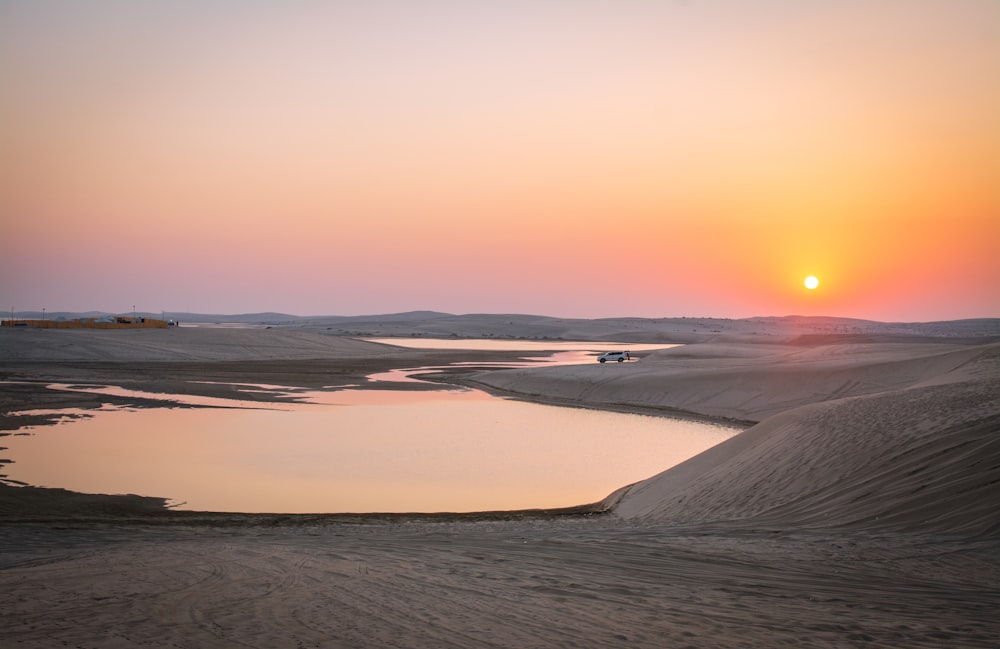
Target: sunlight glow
<point x="277" y="151"/>
<point x="811" y="282"/>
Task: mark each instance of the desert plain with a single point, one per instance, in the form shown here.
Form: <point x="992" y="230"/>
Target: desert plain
<point x="860" y="507"/>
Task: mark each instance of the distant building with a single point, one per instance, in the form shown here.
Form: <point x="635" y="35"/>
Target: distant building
<point x="107" y="322"/>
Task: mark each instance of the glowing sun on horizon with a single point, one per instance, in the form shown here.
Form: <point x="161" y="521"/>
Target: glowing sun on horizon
<point x="811" y="282"/>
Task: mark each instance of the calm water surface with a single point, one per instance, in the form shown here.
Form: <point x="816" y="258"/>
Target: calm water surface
<point x="353" y="450"/>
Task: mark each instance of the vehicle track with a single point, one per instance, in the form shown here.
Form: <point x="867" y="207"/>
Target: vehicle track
<point x="547" y="583"/>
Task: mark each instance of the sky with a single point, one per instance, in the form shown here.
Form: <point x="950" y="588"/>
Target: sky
<point x="570" y="158"/>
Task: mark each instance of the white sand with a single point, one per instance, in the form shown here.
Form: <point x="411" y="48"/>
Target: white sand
<point x="861" y="511"/>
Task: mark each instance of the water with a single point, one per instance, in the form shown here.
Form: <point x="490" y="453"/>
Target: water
<point x="519" y="345"/>
<point x="352" y="450"/>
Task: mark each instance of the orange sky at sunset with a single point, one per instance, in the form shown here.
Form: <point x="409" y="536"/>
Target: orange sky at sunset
<point x="569" y="158"/>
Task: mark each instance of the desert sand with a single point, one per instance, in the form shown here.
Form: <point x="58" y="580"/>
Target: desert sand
<point x="857" y="509"/>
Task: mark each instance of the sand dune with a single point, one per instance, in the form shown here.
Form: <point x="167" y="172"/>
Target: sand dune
<point x="922" y="458"/>
<point x="182" y="344"/>
<point x="746" y="381"/>
<point x="880" y="435"/>
<point x="858" y="509"/>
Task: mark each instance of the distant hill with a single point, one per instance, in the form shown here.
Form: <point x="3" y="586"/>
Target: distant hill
<point x="434" y="324"/>
<point x="654" y="330"/>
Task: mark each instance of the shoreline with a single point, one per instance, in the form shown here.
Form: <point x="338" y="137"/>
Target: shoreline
<point x="21" y="506"/>
<point x="666" y="412"/>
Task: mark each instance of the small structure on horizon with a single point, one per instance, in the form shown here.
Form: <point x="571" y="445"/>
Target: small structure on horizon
<point x="105" y="322"/>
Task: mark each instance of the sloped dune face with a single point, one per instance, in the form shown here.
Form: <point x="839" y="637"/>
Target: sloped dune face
<point x="922" y="458"/>
<point x="178" y="344"/>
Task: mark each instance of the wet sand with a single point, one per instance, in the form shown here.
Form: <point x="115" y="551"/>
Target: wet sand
<point x="859" y="512"/>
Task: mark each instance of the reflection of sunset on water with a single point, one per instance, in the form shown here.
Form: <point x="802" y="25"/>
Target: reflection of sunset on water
<point x="376" y="450"/>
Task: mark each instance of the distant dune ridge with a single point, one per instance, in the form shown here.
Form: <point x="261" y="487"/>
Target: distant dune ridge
<point x="684" y="329"/>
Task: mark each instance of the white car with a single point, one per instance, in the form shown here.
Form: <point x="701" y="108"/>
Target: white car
<point x="614" y="356"/>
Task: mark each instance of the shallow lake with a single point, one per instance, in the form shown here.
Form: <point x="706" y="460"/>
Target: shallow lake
<point x="352" y="450"/>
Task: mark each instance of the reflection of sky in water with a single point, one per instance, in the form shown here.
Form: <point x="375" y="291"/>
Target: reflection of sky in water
<point x="412" y="374"/>
<point x="517" y="345"/>
<point x="355" y="450"/>
<point x="388" y="451"/>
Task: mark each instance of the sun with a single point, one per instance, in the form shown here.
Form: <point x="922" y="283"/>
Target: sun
<point x="811" y="282"/>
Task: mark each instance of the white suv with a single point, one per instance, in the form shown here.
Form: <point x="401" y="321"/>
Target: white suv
<point x="614" y="356"/>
